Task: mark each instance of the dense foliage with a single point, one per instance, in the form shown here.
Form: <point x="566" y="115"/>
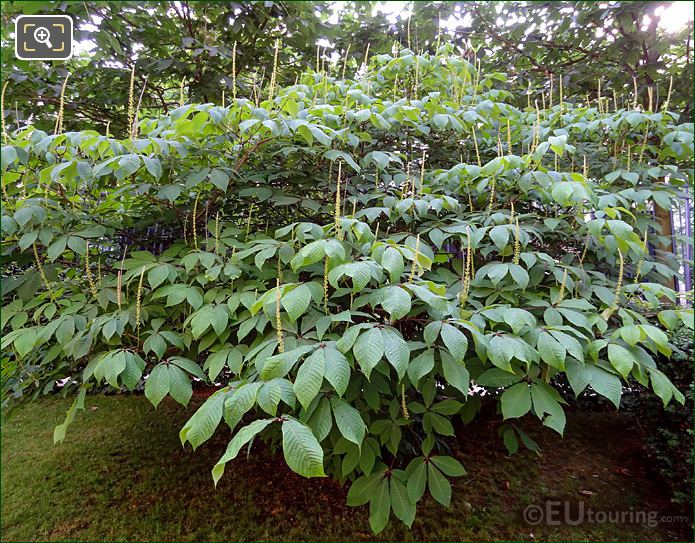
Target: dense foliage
<point x="189" y="48"/>
<point x="346" y="257"/>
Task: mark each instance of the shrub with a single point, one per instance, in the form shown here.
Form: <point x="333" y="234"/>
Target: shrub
<point x="346" y="260"/>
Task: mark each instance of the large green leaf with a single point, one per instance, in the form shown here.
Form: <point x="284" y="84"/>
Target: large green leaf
<point x="303" y="453"/>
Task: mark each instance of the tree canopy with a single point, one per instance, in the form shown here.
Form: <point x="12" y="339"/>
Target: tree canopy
<point x="354" y="256"/>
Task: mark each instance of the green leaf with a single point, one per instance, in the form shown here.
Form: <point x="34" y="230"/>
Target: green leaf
<point x="420" y="366"/>
<point x="180" y="385"/>
<point x="495" y="377"/>
<point x="417" y="479"/>
<point x="369" y="349"/>
<point x="545" y="400"/>
<point x="302" y="451"/>
<point x="604" y="383"/>
<point x="621" y="359"/>
<point x="349" y="421"/>
<point x="450" y="466"/>
<point x="439" y="486"/>
<point x="396" y="350"/>
<point x="310" y="378"/>
<point x="402" y="507"/>
<point x="380" y="506"/>
<point x="157" y="275"/>
<point x="363" y="488"/>
<point x="242" y="437"/>
<point x="551" y="350"/>
<point x="455" y="373"/>
<point x="154" y="166"/>
<point x="204" y="421"/>
<point x="500" y="236"/>
<point x="157" y="384"/>
<point x="396" y="302"/>
<point x="337" y="369"/>
<point x="501" y="351"/>
<point x="296" y="301"/>
<point x="516" y="401"/>
<point x="392" y="261"/>
<point x="128" y="164"/>
<point x="455" y="341"/>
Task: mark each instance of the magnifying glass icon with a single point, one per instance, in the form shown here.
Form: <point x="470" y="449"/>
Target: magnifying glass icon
<point x="43" y="36"/>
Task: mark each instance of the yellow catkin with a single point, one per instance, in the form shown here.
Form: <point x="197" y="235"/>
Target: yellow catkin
<point x="492" y="194"/>
<point x="99" y="277"/>
<point x="273" y="76"/>
<point x="131" y="98"/>
<point x="635" y="101"/>
<point x="61" y="108"/>
<point x="278" y="318"/>
<point x="650" y="94"/>
<point x="467" y="271"/>
<point x="509" y="138"/>
<point x="42" y="273"/>
<point x="598" y="96"/>
<point x="181" y="100"/>
<point x="517" y="242"/>
<point x="563" y="286"/>
<point x="562" y="94"/>
<point x="138" y="302"/>
<point x="528" y="95"/>
<point x="404" y="406"/>
<point x="347" y="56"/>
<point x="475" y="142"/>
<point x="615" y="101"/>
<point x="585" y="169"/>
<point x="638" y="269"/>
<point x="499" y="146"/>
<point x="88" y="272"/>
<point x="325" y="286"/>
<point x="366" y="56"/>
<point x="629" y="157"/>
<point x="550" y="95"/>
<point x="586" y="249"/>
<point x="223" y="102"/>
<point x="536" y="129"/>
<point x="668" y="96"/>
<point x="336" y="225"/>
<point x="416" y="257"/>
<point x="619" y="284"/>
<point x="234" y="72"/>
<point x="406" y="186"/>
<point x="217" y="232"/>
<point x="2" y="111"/>
<point x="194" y="227"/>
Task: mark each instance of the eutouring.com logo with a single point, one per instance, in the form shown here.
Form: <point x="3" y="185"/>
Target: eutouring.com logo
<point x="559" y="512"/>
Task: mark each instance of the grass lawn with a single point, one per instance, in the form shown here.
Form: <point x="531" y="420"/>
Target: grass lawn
<point x="122" y="475"/>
